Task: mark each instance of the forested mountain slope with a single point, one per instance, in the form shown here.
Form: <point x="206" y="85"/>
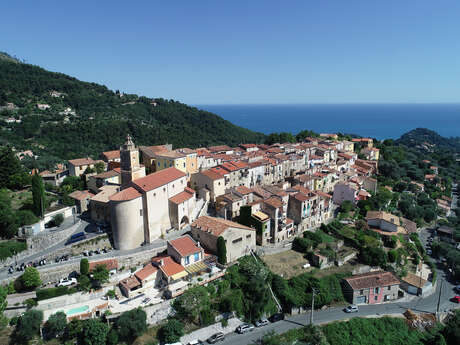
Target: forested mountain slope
<point x="87" y="118"/>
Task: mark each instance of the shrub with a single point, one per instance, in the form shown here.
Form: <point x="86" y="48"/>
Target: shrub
<point x="43" y="294"/>
<point x="171" y="331"/>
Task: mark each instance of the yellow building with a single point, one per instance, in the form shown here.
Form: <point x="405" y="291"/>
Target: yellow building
<point x="191" y="160"/>
<point x="348" y="146"/>
<point x="170" y="159"/>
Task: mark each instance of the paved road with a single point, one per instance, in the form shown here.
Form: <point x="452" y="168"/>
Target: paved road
<point x="444" y="291"/>
<point x="428" y="304"/>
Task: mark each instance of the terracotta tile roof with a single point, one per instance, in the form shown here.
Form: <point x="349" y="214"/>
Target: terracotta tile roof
<point x="229" y="166"/>
<point x="372" y="280"/>
<point x="383" y="216"/>
<point x="261" y="192"/>
<point x="81" y="195"/>
<point x="130" y="282"/>
<point x="217" y="226"/>
<point x="219" y="148"/>
<point x="243" y="190"/>
<point x="300" y="197"/>
<point x="181" y="197"/>
<point x="168" y="266"/>
<point x="239" y="164"/>
<point x="185" y="245"/>
<point x="320" y="193"/>
<point x="274" y="202"/>
<point x="414" y="280"/>
<point x="158" y="179"/>
<point x="111" y="154"/>
<point x="302" y="189"/>
<point x="126" y="194"/>
<point x="409" y="225"/>
<point x="105" y="193"/>
<point x="109" y="263"/>
<point x="146" y="272"/>
<point x="81" y="161"/>
<point x="107" y="174"/>
<point x="212" y="174"/>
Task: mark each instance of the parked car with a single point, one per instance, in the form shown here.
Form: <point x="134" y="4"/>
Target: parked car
<point x="67" y="282"/>
<point x="455" y="299"/>
<point x="457" y="288"/>
<point x="261" y="323"/>
<point x="146" y="300"/>
<point x="351" y="309"/>
<point x="216" y="337"/>
<point x="244" y="328"/>
<point x="429" y="252"/>
<point x="276" y="317"/>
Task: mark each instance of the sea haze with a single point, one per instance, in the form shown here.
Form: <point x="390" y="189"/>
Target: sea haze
<point x="375" y="120"/>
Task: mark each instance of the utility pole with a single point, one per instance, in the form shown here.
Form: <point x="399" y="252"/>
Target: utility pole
<point x="312" y="305"/>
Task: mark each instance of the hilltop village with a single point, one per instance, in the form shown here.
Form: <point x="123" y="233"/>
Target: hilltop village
<point x="155" y="224"/>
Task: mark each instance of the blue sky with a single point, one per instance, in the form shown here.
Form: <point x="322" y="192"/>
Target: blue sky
<point x="227" y="52"/>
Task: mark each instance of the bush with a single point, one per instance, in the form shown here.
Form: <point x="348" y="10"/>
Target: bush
<point x="301" y="245"/>
<point x="10" y="248"/>
<point x="30" y="303"/>
<point x="30" y="279"/>
<point x="171" y="331"/>
<point x="43" y="294"/>
<point x="58" y="219"/>
<point x="28" y="325"/>
<point x="55" y="326"/>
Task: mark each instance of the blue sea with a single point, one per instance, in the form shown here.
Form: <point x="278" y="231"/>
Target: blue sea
<point x="375" y="120"/>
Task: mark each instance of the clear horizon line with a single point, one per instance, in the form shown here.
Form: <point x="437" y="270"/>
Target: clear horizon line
<point x="339" y="103"/>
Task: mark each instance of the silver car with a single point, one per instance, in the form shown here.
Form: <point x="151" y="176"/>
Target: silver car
<point x="262" y="322"/>
<point x="351" y="309"/>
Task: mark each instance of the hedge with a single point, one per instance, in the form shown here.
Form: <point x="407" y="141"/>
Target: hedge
<point x="54" y="292"/>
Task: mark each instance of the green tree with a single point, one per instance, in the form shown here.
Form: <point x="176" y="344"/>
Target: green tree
<point x="56" y="325"/>
<point x="99" y="167"/>
<point x="94" y="332"/>
<point x="171" y="331"/>
<point x="3" y="304"/>
<point x="58" y="219"/>
<point x="8" y="220"/>
<point x="84" y="267"/>
<point x="38" y="195"/>
<point x="132" y="324"/>
<point x="100" y="275"/>
<point x="191" y="302"/>
<point x="29" y="325"/>
<point x="346" y="206"/>
<point x="30" y="279"/>
<point x="84" y="283"/>
<point x="221" y="251"/>
<point x="112" y="337"/>
<point x="9" y="166"/>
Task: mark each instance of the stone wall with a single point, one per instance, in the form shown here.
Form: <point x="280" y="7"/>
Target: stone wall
<point x="41" y="242"/>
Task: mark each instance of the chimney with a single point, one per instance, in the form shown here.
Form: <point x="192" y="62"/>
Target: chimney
<point x="162" y="262"/>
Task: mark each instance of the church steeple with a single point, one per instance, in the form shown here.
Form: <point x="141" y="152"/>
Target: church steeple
<point x="130" y="168"/>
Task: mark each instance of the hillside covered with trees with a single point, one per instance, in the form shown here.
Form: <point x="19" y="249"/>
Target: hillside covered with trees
<point x="78" y="118"/>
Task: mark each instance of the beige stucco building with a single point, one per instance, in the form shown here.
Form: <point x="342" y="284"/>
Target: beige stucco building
<point x="239" y="239"/>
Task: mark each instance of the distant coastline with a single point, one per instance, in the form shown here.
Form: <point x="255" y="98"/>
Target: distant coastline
<point x="380" y="121"/>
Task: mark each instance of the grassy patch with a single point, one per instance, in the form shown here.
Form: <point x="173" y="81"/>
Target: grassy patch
<point x="287" y="264"/>
<point x="10" y="248"/>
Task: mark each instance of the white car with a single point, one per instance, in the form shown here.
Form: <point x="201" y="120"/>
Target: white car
<point x="67" y="282"/>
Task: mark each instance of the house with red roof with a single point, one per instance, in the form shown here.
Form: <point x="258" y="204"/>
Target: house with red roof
<point x="185" y="250"/>
<point x="371" y="288"/>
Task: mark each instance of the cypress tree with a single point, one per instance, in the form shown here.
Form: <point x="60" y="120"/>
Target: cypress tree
<point x="221" y="251"/>
<point x="38" y="195"/>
